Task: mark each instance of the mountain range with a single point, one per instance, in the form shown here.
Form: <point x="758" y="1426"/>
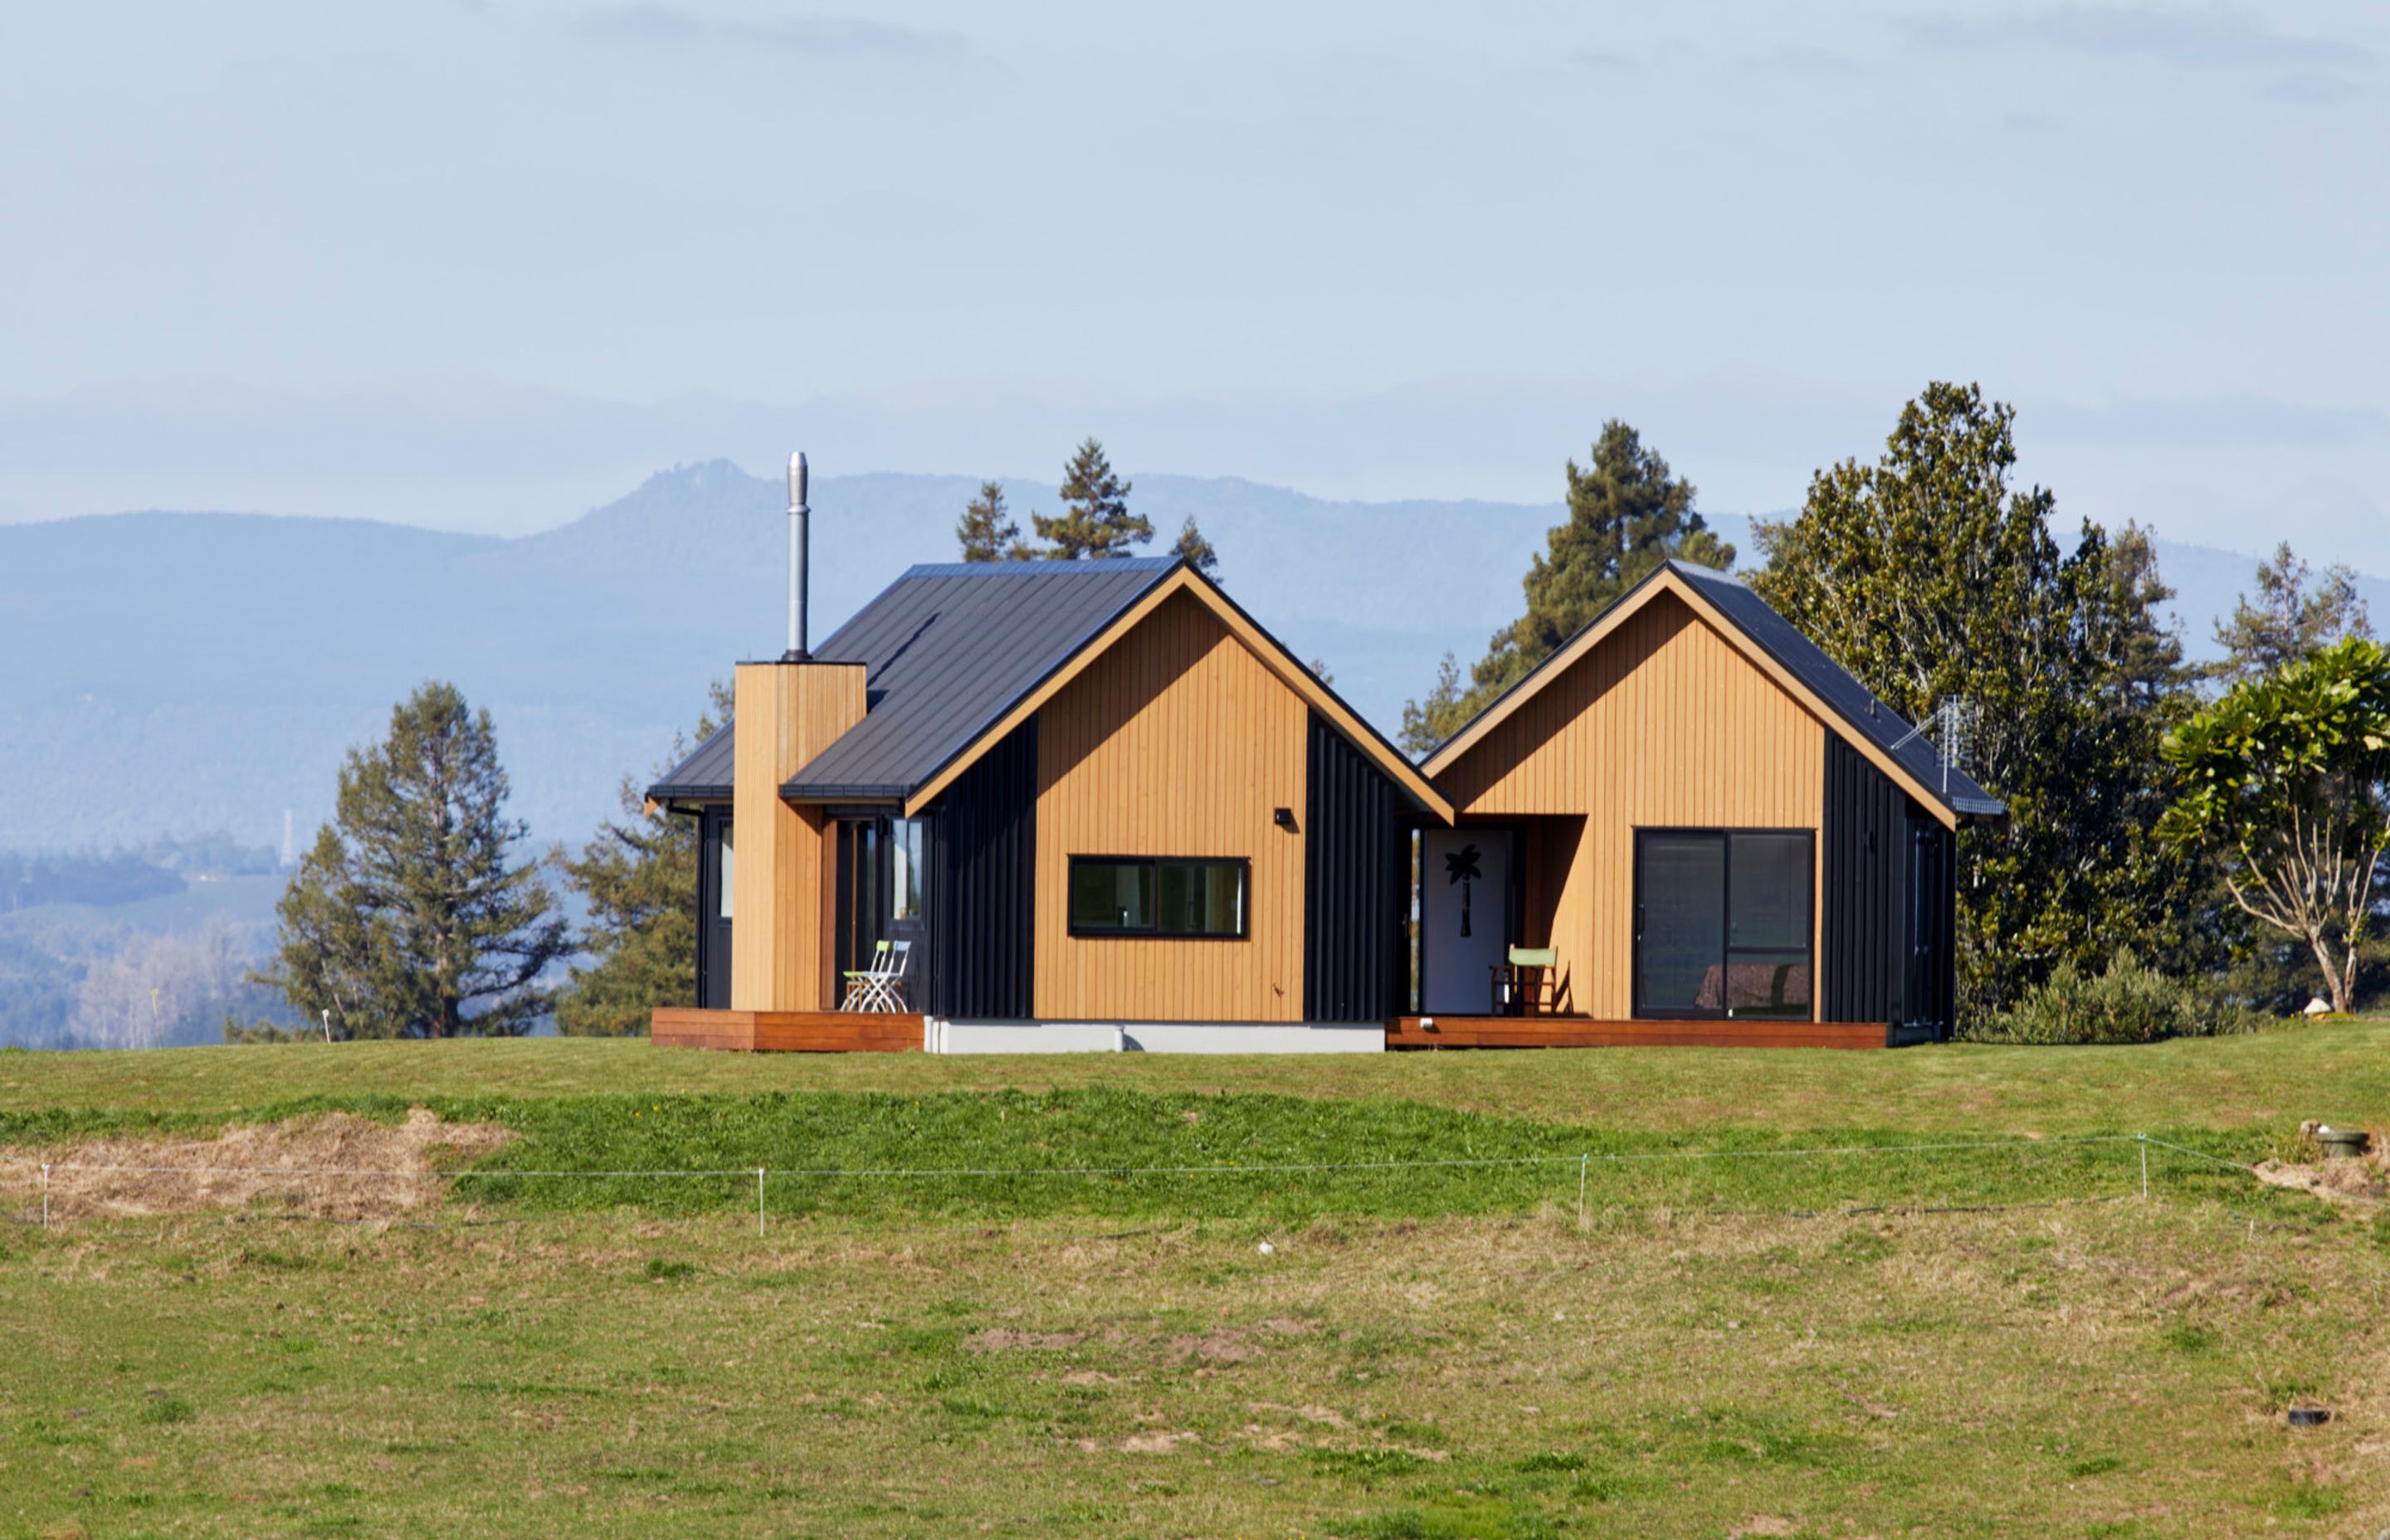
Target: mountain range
<point x="181" y="672"/>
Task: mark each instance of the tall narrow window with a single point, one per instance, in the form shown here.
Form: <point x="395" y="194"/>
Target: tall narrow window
<point x="907" y="843"/>
<point x="1723" y="923"/>
<point x="722" y="877"/>
<point x="1143" y="895"/>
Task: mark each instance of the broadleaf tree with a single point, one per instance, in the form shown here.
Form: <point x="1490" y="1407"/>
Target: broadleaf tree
<point x="1627" y="512"/>
<point x="1930" y="579"/>
<point x="2286" y="779"/>
<point x="638" y="877"/>
<point x="415" y="913"/>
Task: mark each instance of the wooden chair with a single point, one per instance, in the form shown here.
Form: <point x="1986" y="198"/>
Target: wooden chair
<point x="1522" y="980"/>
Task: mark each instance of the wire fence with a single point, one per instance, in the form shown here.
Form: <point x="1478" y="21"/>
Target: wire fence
<point x="802" y="1188"/>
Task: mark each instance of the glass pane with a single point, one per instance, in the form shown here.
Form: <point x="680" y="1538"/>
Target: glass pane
<point x="1203" y="898"/>
<point x="905" y="865"/>
<point x="722" y="903"/>
<point x="1682" y="901"/>
<point x="1768" y="984"/>
<point x="1111" y="895"/>
<point x="1770" y="892"/>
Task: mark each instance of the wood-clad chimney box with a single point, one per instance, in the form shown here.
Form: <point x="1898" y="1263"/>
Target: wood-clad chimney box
<point x="788" y="712"/>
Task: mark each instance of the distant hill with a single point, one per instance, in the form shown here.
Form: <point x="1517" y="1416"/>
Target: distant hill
<point x="178" y="673"/>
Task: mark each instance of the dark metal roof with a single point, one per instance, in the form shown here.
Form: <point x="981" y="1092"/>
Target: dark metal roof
<point x="948" y="649"/>
<point x="1833" y="683"/>
<point x="704" y="776"/>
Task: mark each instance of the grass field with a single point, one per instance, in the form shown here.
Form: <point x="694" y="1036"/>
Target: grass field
<point x="1442" y="1351"/>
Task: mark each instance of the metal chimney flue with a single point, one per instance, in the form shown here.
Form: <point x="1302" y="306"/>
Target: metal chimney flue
<point x="798" y="515"/>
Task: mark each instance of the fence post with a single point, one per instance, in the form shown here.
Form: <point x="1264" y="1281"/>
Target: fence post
<point x="759" y="1200"/>
<point x="2144" y="1139"/>
<point x="1582" y="1162"/>
<point x="45" y="1194"/>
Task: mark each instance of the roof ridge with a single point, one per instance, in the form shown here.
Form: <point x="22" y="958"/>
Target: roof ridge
<point x="1090" y="567"/>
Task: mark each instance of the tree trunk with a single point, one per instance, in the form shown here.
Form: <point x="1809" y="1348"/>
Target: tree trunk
<point x="2336" y="982"/>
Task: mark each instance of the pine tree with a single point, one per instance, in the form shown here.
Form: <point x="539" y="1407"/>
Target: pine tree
<point x="986" y="532"/>
<point x="1627" y="513"/>
<point x="1929" y="579"/>
<point x="639" y="876"/>
<point x="409" y="917"/>
<point x="1429" y="722"/>
<point x="1096" y="522"/>
<point x="2284" y="621"/>
<point x="1196" y="551"/>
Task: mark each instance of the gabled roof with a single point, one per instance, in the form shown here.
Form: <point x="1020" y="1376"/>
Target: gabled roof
<point x="704" y="776"/>
<point x="957" y="654"/>
<point x="1780" y="649"/>
<point x="946" y="648"/>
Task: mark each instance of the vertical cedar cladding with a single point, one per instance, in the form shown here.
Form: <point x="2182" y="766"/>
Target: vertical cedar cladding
<point x="982" y="899"/>
<point x="1355" y="879"/>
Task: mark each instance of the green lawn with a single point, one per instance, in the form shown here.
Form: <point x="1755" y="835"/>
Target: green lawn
<point x="2338" y="1071"/>
<point x="1756" y="1345"/>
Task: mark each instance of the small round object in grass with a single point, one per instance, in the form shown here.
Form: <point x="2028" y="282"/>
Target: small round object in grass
<point x="2309" y="1416"/>
<point x="1265" y="1248"/>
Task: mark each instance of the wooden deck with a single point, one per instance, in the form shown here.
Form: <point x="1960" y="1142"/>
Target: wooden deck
<point x="787" y="1030"/>
<point x="1583" y="1032"/>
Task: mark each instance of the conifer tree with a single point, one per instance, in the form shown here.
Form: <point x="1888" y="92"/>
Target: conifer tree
<point x="410" y="916"/>
<point x="1197" y="551"/>
<point x="640" y="878"/>
<point x="1627" y="513"/>
<point x="986" y="532"/>
<point x="1095" y="522"/>
<point x="1928" y="578"/>
<point x="2285" y="620"/>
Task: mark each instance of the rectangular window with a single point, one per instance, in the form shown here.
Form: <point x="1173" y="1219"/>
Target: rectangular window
<point x="1723" y="923"/>
<point x="1145" y="895"/>
<point x="721" y="902"/>
<point x="906" y="846"/>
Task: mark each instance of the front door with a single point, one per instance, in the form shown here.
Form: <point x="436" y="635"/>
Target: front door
<point x="881" y="893"/>
<point x="861" y="920"/>
<point x="1464" y="919"/>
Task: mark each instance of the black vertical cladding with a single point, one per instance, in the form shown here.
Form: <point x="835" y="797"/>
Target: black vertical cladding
<point x="1932" y="973"/>
<point x="982" y="887"/>
<point x="1867" y="858"/>
<point x="1886" y="928"/>
<point x="1356" y="885"/>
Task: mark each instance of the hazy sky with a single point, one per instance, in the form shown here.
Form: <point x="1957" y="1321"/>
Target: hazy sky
<point x="482" y="264"/>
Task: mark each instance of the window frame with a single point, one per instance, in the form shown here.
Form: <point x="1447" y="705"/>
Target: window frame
<point x="1725" y="834"/>
<point x="1154" y="932"/>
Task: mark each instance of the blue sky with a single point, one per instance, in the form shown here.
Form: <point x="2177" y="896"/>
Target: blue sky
<point x="483" y="265"/>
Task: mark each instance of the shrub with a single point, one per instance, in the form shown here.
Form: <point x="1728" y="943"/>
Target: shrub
<point x="2130" y="1002"/>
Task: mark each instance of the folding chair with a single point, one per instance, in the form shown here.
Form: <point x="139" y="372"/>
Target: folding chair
<point x="862" y="983"/>
<point x="881" y="987"/>
<point x="890" y="995"/>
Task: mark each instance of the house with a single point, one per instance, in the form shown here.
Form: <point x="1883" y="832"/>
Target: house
<point x="1105" y="809"/>
<point x="1718" y="832"/>
<point x="1101" y="804"/>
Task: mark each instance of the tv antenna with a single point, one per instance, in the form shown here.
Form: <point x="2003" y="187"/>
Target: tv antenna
<point x="1950" y="727"/>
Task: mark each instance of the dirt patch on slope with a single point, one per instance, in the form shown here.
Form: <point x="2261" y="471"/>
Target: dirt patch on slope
<point x="333" y="1166"/>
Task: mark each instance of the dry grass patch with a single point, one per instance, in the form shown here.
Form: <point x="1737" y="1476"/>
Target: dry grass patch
<point x="332" y="1166"/>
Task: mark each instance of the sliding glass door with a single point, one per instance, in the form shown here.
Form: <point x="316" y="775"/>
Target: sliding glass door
<point x="1723" y="923"/>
